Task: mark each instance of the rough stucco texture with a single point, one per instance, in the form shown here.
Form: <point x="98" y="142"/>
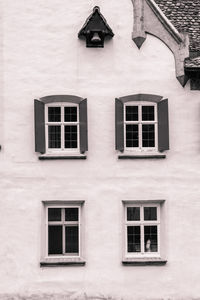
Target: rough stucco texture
<point x="43" y="56"/>
<point x="185" y="16"/>
<point x="53" y="297"/>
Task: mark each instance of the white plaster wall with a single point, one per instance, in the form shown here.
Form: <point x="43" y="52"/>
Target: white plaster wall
<point x="41" y="55"/>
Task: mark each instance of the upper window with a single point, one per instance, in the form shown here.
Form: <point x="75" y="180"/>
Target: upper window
<point x="62" y="232"/>
<point x="61" y="125"/>
<point x="142" y="124"/>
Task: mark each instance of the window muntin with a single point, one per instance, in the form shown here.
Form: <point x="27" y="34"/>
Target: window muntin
<point x="148" y="135"/>
<point x="131" y="113"/>
<point x="140" y="126"/>
<point x="54" y="114"/>
<point x="63" y="231"/>
<point x="142" y="230"/>
<point x="133" y="239"/>
<point x="70" y="113"/>
<point x="150" y="239"/>
<point x="133" y="213"/>
<point x="62" y="127"/>
<point x="54" y="137"/>
<point x="70" y="137"/>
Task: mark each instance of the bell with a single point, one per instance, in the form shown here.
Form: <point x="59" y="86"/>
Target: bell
<point x="95" y="38"/>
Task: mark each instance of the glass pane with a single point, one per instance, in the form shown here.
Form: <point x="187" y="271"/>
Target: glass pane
<point x="150" y="239"/>
<point x="147" y="113"/>
<point x="71" y="136"/>
<point x="132" y="135"/>
<point x="54" y="114"/>
<point x="133" y="238"/>
<point x="54" y="136"/>
<point x="71" y="239"/>
<point x="54" y="214"/>
<point x="55" y="240"/>
<point x="150" y="213"/>
<point x="71" y="214"/>
<point x="70" y="114"/>
<point x="131" y="113"/>
<point x="133" y="213"/>
<point x="148" y="135"/>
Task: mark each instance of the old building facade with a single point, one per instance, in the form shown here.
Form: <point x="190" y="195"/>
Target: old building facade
<point x="100" y="149"/>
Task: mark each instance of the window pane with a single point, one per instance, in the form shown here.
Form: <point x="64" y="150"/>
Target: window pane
<point x="150" y="213"/>
<point x="132" y="135"/>
<point x="131" y="113"/>
<point x="133" y="213"/>
<point x="71" y="136"/>
<point x="70" y="114"/>
<point x="54" y="136"/>
<point x="54" y="214"/>
<point x="55" y="240"/>
<point x="150" y="239"/>
<point x="147" y="113"/>
<point x="148" y="135"/>
<point x="133" y="238"/>
<point x="71" y="214"/>
<point x="71" y="239"/>
<point x="54" y="114"/>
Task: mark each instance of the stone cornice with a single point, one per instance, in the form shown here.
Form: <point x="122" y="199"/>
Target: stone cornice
<point x="165" y="21"/>
<point x="148" y="18"/>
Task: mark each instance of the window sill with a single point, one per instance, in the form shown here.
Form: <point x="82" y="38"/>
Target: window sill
<point x="50" y="157"/>
<point x="49" y="262"/>
<point x="153" y="261"/>
<point x="142" y="156"/>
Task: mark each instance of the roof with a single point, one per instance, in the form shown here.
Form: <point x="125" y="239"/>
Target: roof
<point x="185" y="16"/>
<point x="192" y="63"/>
<point x="96" y="19"/>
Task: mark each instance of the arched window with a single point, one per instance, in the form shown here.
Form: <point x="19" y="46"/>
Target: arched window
<point x="61" y="126"/>
<point x="141" y="124"/>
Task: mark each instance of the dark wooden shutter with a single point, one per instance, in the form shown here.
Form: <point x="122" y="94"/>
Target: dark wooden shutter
<point x="83" y="126"/>
<point x="39" y="126"/>
<point x="163" y="125"/>
<point x="119" y="125"/>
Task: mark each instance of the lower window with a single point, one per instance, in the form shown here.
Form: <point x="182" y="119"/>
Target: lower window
<point x="142" y="229"/>
<point x="62" y="232"/>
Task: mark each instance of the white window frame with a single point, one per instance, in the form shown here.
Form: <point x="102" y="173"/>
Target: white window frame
<point x="139" y="104"/>
<point x="141" y="223"/>
<point x="65" y="256"/>
<point x="62" y="123"/>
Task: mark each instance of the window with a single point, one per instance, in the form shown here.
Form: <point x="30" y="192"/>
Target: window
<point x="62" y="233"/>
<point x="141" y="124"/>
<point x="61" y="126"/>
<point x="142" y="230"/>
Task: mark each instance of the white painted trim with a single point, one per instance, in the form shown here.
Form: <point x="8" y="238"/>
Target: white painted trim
<point x="62" y="204"/>
<point x="142" y="223"/>
<point x="141" y="150"/>
<point x="62" y="151"/>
